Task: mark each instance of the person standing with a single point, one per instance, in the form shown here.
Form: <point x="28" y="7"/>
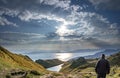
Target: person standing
<point x="102" y="67"/>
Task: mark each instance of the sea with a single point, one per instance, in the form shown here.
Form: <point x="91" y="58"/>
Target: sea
<point x="64" y="56"/>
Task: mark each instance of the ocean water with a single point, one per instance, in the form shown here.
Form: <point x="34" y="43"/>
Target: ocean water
<point x="64" y="56"/>
<point x="60" y="56"/>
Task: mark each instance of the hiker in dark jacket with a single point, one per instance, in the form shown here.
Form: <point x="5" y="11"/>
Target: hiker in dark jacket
<point x="102" y="67"/>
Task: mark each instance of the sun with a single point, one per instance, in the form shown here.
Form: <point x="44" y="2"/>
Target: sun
<point x="63" y="29"/>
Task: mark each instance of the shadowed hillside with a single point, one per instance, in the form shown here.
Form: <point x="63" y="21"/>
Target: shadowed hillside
<point x="49" y="63"/>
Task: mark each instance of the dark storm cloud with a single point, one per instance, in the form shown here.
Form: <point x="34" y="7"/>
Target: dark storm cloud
<point x="106" y="4"/>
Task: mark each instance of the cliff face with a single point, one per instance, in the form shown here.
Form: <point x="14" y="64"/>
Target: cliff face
<point x="11" y="61"/>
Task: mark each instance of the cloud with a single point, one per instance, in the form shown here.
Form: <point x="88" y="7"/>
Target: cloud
<point x="90" y="28"/>
<point x="37" y="5"/>
<point x="4" y="21"/>
<point x="8" y="11"/>
<point x="106" y="4"/>
<point x="18" y="37"/>
<point x="65" y="4"/>
<point x="71" y="23"/>
<point x="28" y="16"/>
<point x="103" y="34"/>
<point x="104" y="43"/>
<point x="19" y="5"/>
<point x="77" y="25"/>
<point x="40" y="6"/>
<point x="86" y="24"/>
<point x="34" y="10"/>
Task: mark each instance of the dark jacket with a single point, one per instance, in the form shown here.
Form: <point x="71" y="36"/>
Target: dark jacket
<point x="102" y="67"/>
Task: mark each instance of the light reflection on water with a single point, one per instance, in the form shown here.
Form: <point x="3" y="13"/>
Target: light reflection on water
<point x="55" y="68"/>
<point x="60" y="56"/>
<point x="63" y="56"/>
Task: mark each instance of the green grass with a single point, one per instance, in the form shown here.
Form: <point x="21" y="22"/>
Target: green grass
<point x="87" y="70"/>
<point x="9" y="61"/>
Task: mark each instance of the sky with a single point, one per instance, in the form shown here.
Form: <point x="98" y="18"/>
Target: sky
<point x="59" y="25"/>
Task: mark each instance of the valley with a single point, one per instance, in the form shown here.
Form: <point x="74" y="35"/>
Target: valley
<point x="21" y="66"/>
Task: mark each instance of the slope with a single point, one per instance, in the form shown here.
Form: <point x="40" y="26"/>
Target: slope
<point x="86" y="67"/>
<point x="10" y="60"/>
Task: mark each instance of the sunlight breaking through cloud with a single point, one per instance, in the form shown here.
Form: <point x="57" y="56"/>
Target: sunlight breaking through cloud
<point x="61" y="22"/>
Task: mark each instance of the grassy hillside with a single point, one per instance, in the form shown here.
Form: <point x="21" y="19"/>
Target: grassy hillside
<point x="86" y="69"/>
<point x="115" y="59"/>
<point x="15" y="64"/>
<point x="77" y="65"/>
<point x="49" y="63"/>
<point x="10" y="61"/>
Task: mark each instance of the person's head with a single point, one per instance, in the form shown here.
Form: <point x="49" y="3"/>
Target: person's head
<point x="103" y="56"/>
